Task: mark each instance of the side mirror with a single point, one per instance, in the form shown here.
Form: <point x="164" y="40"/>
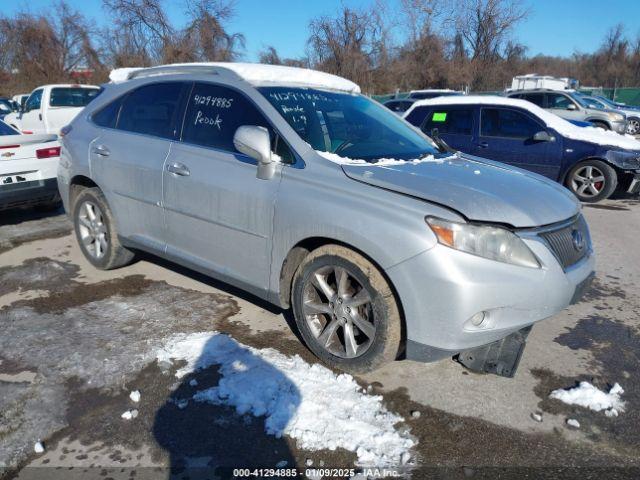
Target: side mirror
<point x="543" y="136"/>
<point x="255" y="142"/>
<point x="572" y="106"/>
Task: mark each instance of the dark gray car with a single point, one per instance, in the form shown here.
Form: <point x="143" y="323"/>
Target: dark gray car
<point x="291" y="185"/>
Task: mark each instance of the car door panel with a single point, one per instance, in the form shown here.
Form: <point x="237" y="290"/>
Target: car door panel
<point x="501" y="138"/>
<point x="219" y="214"/>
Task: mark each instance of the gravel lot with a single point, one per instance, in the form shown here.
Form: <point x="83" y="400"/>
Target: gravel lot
<point x="75" y="341"/>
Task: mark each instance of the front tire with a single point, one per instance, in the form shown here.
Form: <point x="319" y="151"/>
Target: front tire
<point x="96" y="231"/>
<point x="592" y="181"/>
<point x="345" y="310"/>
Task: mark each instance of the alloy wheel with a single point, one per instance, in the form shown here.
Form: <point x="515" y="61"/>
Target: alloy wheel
<point x="633" y="127"/>
<point x="338" y="312"/>
<point x="93" y="231"/>
<point x="588" y="181"/>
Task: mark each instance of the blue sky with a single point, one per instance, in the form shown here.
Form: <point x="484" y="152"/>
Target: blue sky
<point x="555" y="27"/>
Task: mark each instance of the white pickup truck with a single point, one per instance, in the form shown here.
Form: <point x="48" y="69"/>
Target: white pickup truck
<point x="51" y="107"/>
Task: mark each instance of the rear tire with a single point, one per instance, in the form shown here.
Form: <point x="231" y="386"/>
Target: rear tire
<point x="345" y="310"/>
<point x="592" y="181"/>
<point x="96" y="231"/>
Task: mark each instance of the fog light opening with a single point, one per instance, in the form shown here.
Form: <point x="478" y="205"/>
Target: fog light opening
<point x="479" y="319"/>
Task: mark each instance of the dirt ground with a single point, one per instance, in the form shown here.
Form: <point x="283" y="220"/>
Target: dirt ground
<point x="75" y="341"/>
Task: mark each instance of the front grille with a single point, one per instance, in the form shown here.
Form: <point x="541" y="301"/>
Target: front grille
<point x="566" y="244"/>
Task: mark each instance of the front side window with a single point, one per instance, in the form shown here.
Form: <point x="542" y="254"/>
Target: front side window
<point x="34" y="100"/>
<point x="557" y="100"/>
<point x="215" y="112"/>
<point x="451" y="121"/>
<point x="348" y="125"/>
<point x="72" y="96"/>
<point x="507" y="123"/>
<point x="152" y="110"/>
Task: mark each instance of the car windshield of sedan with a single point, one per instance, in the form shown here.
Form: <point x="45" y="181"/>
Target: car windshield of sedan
<point x="348" y="125"/>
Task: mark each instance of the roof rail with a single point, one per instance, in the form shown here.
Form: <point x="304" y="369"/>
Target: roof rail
<point x="174" y="69"/>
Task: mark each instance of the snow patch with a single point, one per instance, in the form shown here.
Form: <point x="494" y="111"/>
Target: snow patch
<point x="309" y="403"/>
<point x="254" y="73"/>
<point x="572" y="422"/>
<point x="586" y="395"/>
<point x="135" y="396"/>
<point x="129" y="414"/>
<point x="563" y="127"/>
<point x="38" y="447"/>
<point x="382" y="162"/>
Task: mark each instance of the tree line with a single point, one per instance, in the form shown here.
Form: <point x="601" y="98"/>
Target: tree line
<point x="407" y="44"/>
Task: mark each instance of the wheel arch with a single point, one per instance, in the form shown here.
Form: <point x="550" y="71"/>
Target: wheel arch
<point x="300" y="250"/>
<point x="572" y="165"/>
<point x="598" y="120"/>
<point x="77" y="183"/>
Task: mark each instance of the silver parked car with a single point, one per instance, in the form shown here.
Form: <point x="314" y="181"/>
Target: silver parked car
<point x="571" y="106"/>
<point x="291" y="185"/>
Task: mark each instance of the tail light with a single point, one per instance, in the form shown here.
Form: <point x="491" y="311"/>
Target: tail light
<point x="27" y="132"/>
<point x="48" y="152"/>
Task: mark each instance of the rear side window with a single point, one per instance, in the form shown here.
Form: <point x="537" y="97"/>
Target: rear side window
<point x="108" y="116"/>
<point x="152" y="110"/>
<point x="557" y="100"/>
<point x="535" y="98"/>
<point x="452" y="121"/>
<point x="6" y="129"/>
<point x="72" y="96"/>
<point x="417" y="116"/>
<point x="214" y="113"/>
<point x="502" y="122"/>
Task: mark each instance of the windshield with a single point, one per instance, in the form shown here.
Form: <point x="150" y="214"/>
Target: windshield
<point x="578" y="98"/>
<point x="348" y="125"/>
<point x="72" y="97"/>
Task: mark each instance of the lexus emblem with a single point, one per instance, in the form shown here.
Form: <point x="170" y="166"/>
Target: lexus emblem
<point x="578" y="240"/>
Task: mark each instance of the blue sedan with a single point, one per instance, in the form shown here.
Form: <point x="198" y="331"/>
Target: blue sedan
<point x="591" y="162"/>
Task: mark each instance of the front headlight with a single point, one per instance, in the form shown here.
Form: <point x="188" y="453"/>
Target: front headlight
<point x="494" y="243"/>
<point x="616" y="117"/>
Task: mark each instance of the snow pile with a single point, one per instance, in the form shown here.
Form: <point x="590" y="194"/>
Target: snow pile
<point x="382" y="162"/>
<point x="135" y="396"/>
<point x="586" y="395"/>
<point x="306" y="402"/>
<point x="256" y="74"/>
<point x="563" y="127"/>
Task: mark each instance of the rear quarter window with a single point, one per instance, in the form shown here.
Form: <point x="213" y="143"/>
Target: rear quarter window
<point x="72" y="96"/>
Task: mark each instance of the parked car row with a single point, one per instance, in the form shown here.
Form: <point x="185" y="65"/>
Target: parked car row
<point x="590" y="162"/>
<point x="292" y="185"/>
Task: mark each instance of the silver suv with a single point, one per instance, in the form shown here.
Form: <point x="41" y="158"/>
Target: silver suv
<point x="572" y="106"/>
<point x="292" y="186"/>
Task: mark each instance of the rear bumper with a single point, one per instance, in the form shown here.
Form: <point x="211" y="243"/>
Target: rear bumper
<point x="441" y="289"/>
<point x="36" y="192"/>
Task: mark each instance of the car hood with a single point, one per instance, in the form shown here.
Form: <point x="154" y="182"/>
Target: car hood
<point x="481" y="190"/>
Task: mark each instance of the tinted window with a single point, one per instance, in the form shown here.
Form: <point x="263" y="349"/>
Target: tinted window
<point x="214" y="113"/>
<point x="72" y="97"/>
<point x="151" y="110"/>
<point x="6" y="129"/>
<point x="536" y="98"/>
<point x="33" y="102"/>
<point x="417" y="115"/>
<point x="500" y="122"/>
<point x="452" y="121"/>
<point x="107" y="116"/>
<point x="557" y="100"/>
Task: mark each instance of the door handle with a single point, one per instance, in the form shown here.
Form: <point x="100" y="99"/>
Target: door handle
<point x="483" y="145"/>
<point x="101" y="150"/>
<point x="178" y="169"/>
